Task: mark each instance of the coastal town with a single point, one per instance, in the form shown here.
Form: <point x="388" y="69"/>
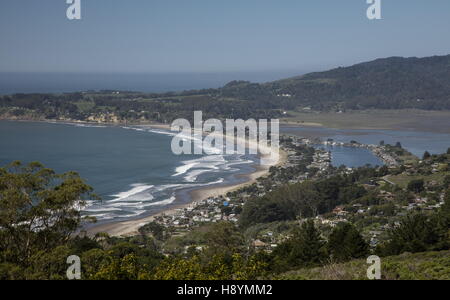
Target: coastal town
<point x="307" y="160"/>
<point x="227" y="207"/>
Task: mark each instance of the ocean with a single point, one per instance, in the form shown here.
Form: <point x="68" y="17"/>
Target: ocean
<point x="132" y="169"/>
<point x="11" y="83"/>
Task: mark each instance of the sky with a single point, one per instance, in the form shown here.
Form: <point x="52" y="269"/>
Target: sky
<point x="152" y="36"/>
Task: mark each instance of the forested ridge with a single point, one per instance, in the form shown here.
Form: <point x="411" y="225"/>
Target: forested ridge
<point x="390" y="83"/>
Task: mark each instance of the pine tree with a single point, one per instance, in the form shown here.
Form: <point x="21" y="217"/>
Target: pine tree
<point x="426" y="155"/>
<point x="346" y="243"/>
<point x="416" y="233"/>
<point x="446" y="206"/>
<point x="447" y="181"/>
<point x="416" y="186"/>
<point x="308" y="246"/>
<point x="442" y="220"/>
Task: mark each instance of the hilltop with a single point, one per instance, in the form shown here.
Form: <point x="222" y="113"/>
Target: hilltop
<point x="388" y="83"/>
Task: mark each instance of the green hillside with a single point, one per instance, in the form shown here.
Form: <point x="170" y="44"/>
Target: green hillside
<point x="388" y="83"/>
<point x="419" y="266"/>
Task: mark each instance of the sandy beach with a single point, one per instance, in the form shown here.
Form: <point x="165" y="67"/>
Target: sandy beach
<point x="131" y="227"/>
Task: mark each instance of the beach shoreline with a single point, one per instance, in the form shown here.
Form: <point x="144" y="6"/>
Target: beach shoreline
<point x="131" y="227"/>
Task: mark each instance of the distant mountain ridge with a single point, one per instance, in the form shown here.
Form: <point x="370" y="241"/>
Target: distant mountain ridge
<point x="388" y="83"/>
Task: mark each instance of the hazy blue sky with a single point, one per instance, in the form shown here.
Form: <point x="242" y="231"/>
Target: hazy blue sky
<point x="215" y="35"/>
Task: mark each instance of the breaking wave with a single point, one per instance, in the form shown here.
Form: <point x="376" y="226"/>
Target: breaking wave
<point x="193" y="173"/>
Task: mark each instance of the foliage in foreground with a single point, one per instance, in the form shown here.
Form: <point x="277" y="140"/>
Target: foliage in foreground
<point x="39" y="211"/>
<point x="39" y="215"/>
<point x="419" y="266"/>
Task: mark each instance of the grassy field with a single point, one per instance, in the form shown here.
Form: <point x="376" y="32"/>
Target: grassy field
<point x="402" y="180"/>
<point x="85" y="106"/>
<point x="430" y="121"/>
<point x="420" y="266"/>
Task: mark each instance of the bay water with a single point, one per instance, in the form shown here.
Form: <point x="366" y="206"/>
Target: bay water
<point x="132" y="169"/>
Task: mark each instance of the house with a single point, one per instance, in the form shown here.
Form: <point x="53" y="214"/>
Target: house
<point x="338" y="210"/>
<point x="259" y="244"/>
